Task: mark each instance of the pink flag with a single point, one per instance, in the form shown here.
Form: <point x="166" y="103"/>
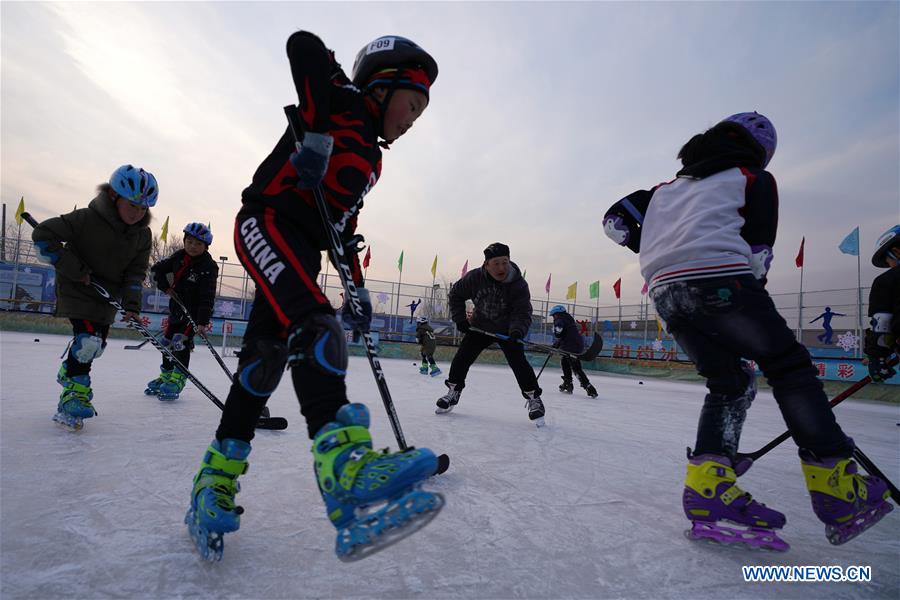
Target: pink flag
<point x="465" y="268"/>
<point x="547" y="287"/>
<point x="644" y="289"/>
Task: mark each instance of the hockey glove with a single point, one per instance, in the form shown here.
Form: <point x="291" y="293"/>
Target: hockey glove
<point x="463" y="326"/>
<point x="358" y="323"/>
<point x="311" y="162"/>
<point x="515" y="335"/>
<point x="879" y="370"/>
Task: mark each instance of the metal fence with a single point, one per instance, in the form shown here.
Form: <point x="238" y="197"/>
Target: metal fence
<point x="22" y="289"/>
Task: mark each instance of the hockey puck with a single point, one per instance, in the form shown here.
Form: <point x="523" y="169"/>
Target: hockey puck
<point x="443" y="463"/>
<point x="640" y="383"/>
<point x="37" y="339"/>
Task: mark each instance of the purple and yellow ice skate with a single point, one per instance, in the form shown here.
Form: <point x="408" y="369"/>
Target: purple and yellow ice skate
<point x="847" y="502"/>
<point x="711" y="497"/>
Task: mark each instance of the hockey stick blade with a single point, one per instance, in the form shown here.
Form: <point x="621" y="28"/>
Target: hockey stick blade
<point x="137" y="346"/>
<point x="272" y="423"/>
<point x="592" y="352"/>
<point x="443" y="463"/>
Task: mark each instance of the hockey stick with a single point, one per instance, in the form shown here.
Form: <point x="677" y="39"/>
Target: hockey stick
<point x="200" y="332"/>
<point x="543" y="366"/>
<point x="588" y="355"/>
<point x="834" y="402"/>
<point x="139" y="346"/>
<point x="338" y="257"/>
<point x="271" y="423"/>
<point x="871" y="469"/>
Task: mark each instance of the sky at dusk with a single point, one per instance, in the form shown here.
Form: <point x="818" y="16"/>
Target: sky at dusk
<point x="543" y="115"/>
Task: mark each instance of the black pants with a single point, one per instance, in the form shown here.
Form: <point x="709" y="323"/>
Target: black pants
<point x="474" y="343"/>
<point x="75" y="367"/>
<point x="569" y="365"/>
<point x="719" y="321"/>
<point x="181" y="328"/>
<point x="284" y="267"/>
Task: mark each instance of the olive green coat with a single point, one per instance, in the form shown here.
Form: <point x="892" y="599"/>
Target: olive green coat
<point x="97" y="243"/>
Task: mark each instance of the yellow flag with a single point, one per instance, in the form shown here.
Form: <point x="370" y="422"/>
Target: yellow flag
<point x="20" y="210"/>
<point x="434" y="267"/>
<point x="165" y="230"/>
<point x="572" y="291"/>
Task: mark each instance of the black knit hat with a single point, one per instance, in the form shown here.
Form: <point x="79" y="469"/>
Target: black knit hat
<point x="496" y="249"/>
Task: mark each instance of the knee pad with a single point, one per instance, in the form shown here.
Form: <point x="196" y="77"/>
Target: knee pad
<point x="319" y="342"/>
<point x="261" y="365"/>
<point x="180" y="341"/>
<point x="87" y="347"/>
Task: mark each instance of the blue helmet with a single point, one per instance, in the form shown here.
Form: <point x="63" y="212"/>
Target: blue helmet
<point x="760" y="128"/>
<point x="135" y="185"/>
<point x="199" y="231"/>
<point x="559" y="308"/>
<point x="888" y="240"/>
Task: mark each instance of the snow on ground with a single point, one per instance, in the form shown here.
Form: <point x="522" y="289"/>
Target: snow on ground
<point x="588" y="507"/>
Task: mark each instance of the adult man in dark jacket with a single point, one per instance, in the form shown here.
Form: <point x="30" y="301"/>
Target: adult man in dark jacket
<point x="502" y="305"/>
<point x="568" y="338"/>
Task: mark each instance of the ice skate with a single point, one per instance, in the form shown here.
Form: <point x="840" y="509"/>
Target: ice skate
<point x="212" y="512"/>
<point x="172" y="386"/>
<point x="423" y="370"/>
<point x="75" y="400"/>
<point x="535" y="407"/>
<point x="435" y="371"/>
<point x="566" y="387"/>
<point x="373" y="499"/>
<point x="446" y="402"/>
<point x="152" y="388"/>
<point x="711" y="497"/>
<point x="847" y="502"/>
<point x="590" y="390"/>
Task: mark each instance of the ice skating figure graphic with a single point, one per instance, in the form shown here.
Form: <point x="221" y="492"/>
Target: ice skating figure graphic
<point x="825" y="336"/>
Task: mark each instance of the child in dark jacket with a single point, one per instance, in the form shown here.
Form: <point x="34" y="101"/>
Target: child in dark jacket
<point x="108" y="243"/>
<point x="425" y="337"/>
<point x="705" y="241"/>
<point x="191" y="275"/>
<point x="568" y="338"/>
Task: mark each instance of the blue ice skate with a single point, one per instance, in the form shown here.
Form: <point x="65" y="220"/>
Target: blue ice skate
<point x="373" y="499"/>
<point x="212" y="512"/>
<point x="172" y="386"/>
<point x="435" y="371"/>
<point x="74" y="401"/>
<point x="423" y="370"/>
<point x="152" y="388"/>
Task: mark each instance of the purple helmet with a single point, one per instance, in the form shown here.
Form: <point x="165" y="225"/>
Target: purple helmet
<point x="760" y="128"/>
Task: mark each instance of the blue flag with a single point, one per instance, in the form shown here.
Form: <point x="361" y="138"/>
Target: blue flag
<point x="850" y="245"/>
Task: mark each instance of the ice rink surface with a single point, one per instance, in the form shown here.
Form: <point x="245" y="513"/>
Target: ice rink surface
<point x="587" y="507"/>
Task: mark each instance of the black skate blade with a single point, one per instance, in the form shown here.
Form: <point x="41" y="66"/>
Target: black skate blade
<point x="843" y="534"/>
<point x="443" y="463"/>
<point x="394" y="534"/>
<point x="272" y="423"/>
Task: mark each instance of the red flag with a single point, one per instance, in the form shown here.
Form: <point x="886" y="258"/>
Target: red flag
<point x="547" y="287"/>
<point x="799" y="259"/>
<point x="644" y="289"/>
<point x="367" y="258"/>
<point x="617" y="287"/>
<point x="465" y="268"/>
